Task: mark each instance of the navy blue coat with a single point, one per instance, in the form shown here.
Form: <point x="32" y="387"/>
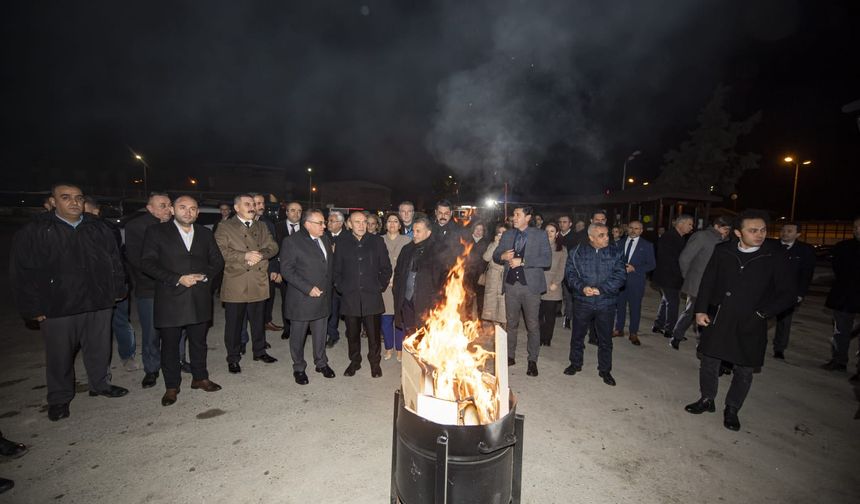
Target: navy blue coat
<point x="601" y="268"/>
<point x="643" y="261"/>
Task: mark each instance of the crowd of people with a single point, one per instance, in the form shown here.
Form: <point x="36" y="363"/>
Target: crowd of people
<point x="74" y="273"/>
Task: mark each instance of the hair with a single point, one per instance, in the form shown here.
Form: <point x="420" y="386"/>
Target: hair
<point x="310" y="211"/>
<point x="55" y="185"/>
<point x="255" y="194"/>
<point x="563" y="216"/>
<point x="186" y="196"/>
<point x="223" y="203"/>
<point x="336" y="213"/>
<point x="722" y="221"/>
<point x="393" y="214"/>
<point x="500" y="226"/>
<point x="599" y="211"/>
<point x="791" y="223"/>
<point x="637" y="221"/>
<point x="406" y="202"/>
<point x="444" y="203"/>
<point x="239" y="197"/>
<point x="89" y="200"/>
<point x="750" y="214"/>
<point x="525" y="209"/>
<point x="595" y="226"/>
<point x="294" y="202"/>
<point x="558" y="245"/>
<point x="423" y="220"/>
<point x="682" y="217"/>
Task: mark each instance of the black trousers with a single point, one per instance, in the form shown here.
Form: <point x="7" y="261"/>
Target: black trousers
<point x="709" y="374"/>
<point x="783" y="329"/>
<point x="91" y="333"/>
<point x="546" y="314"/>
<point x="268" y="313"/>
<point x="234" y="314"/>
<point x="408" y="317"/>
<point x="372" y="325"/>
<point x="195" y="334"/>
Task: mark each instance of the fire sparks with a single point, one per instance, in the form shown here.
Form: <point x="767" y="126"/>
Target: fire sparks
<point x="446" y="350"/>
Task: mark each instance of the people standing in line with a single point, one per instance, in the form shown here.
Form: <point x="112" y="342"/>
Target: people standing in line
<point x="246" y="247"/>
<point x="494" y="295"/>
<point x="692" y="261"/>
<point x="802" y="258"/>
<point x="392" y="336"/>
<point x="275" y="281"/>
<point x="596" y="272"/>
<point x="418" y="278"/>
<point x="66" y="273"/>
<point x="283" y="229"/>
<point x="525" y="253"/>
<point x="566" y="236"/>
<point x="550" y="300"/>
<point x="336" y="225"/>
<point x="844" y="300"/>
<point x="744" y="284"/>
<point x="474" y="268"/>
<point x="406" y="212"/>
<point x="307" y="265"/>
<point x="362" y="270"/>
<point x="638" y="256"/>
<point x="158" y="210"/>
<point x="667" y="274"/>
<point x="182" y="256"/>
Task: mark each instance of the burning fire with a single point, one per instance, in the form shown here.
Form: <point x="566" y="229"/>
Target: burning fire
<point x="446" y="350"/>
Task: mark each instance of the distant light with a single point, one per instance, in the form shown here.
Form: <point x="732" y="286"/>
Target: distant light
<point x="490" y="202"/>
<point x="138" y="157"/>
<point x="310" y="169"/>
<point x="450" y="176"/>
<point x="313" y="189"/>
<point x="807" y="162"/>
<point x="630" y="180"/>
<point x="645" y="183"/>
<point x="192" y="180"/>
<point x="788" y="159"/>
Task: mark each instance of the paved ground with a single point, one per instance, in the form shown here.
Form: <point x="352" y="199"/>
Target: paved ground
<point x="265" y="439"/>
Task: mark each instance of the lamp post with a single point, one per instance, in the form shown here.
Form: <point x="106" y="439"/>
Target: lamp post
<point x="797" y="163"/>
<point x="631" y="157"/>
<point x="145" y="169"/>
<point x="310" y="186"/>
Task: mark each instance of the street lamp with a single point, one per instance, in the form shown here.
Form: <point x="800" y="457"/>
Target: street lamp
<point x="797" y="163"/>
<point x="631" y="157"/>
<point x="310" y="186"/>
<point x="145" y="169"/>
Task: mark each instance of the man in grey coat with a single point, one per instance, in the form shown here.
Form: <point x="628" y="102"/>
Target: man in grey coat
<point x="525" y="253"/>
<point x="693" y="260"/>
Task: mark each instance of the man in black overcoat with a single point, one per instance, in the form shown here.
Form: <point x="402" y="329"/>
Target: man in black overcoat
<point x="802" y="258"/>
<point x="667" y="275"/>
<point x="418" y="278"/>
<point x="844" y="300"/>
<point x="745" y="283"/>
<point x="362" y="271"/>
<point x="307" y="266"/>
<point x="183" y="258"/>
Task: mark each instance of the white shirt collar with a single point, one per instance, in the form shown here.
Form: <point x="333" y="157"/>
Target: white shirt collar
<point x="747" y="250"/>
<point x="187" y="236"/>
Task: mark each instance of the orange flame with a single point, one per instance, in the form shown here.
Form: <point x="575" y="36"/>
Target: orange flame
<point x="446" y="349"/>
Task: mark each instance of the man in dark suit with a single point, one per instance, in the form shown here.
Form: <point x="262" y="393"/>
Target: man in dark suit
<point x="525" y="253"/>
<point x="275" y="282"/>
<point x="362" y="271"/>
<point x="157" y="210"/>
<point x="334" y="231"/>
<point x="802" y="258"/>
<point x="284" y="229"/>
<point x="182" y="257"/>
<point x="844" y="300"/>
<point x="307" y="266"/>
<point x="638" y="256"/>
<point x="565" y="236"/>
<point x="668" y="276"/>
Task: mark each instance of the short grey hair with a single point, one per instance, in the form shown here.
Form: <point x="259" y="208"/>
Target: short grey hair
<point x="593" y="228"/>
<point x="239" y="197"/>
<point x="336" y="213"/>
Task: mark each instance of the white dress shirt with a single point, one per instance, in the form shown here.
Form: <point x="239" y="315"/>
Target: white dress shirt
<point x="187" y="237"/>
<point x="632" y="248"/>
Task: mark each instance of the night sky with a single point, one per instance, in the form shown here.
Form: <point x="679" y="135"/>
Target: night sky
<point x="552" y="96"/>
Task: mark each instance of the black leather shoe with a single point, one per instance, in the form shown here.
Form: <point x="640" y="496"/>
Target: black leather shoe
<point x="149" y="380"/>
<point x="185" y="367"/>
<point x="701" y="406"/>
<point x="242" y="350"/>
<point x="566" y="323"/>
<point x="234" y="367"/>
<point x="6" y="484"/>
<point x="675" y="344"/>
<point x="11" y="448"/>
<point x="778" y="355"/>
<point x="285" y="335"/>
<point x="725" y="370"/>
<point x="730" y="419"/>
<point x="532" y="369"/>
<point x="169" y="396"/>
<point x="572" y="370"/>
<point x="656" y="330"/>
<point x="375" y="371"/>
<point x="511" y="361"/>
<point x="834" y="366"/>
<point x="267" y="346"/>
<point x="301" y="377"/>
<point x="351" y="369"/>
<point x="113" y="391"/>
<point x="326" y="371"/>
<point x="592" y="342"/>
<point x="607" y="378"/>
<point x="268" y="359"/>
<point x="58" y="411"/>
<point x="330" y="343"/>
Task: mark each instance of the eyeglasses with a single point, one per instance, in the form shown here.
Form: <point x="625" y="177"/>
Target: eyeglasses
<point x="318" y="223"/>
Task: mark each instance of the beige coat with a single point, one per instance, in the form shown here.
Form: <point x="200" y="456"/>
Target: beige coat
<point x="554" y="275"/>
<point x="243" y="283"/>
<point x="494" y="299"/>
<point x="393" y="247"/>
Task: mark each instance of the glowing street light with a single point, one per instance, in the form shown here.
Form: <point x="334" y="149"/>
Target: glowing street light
<point x="631" y="157"/>
<point x="138" y="157"/>
<point x="192" y="180"/>
<point x="631" y="180"/>
<point x="797" y="163"/>
<point x="646" y="183"/>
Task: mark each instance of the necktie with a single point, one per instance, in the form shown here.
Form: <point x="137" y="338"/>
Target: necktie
<point x="292" y="228"/>
<point x="629" y="248"/>
<point x="320" y="245"/>
<point x="519" y="243"/>
<point x="248" y="224"/>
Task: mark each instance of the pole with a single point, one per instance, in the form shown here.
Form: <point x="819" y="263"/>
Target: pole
<point x="794" y="192"/>
<point x="310" y="190"/>
<point x="145" y="181"/>
<point x="624" y="174"/>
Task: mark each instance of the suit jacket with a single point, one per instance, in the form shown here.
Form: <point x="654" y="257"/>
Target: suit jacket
<point x="243" y="283"/>
<point x="144" y="285"/>
<point x="642" y="260"/>
<point x="304" y="267"/>
<point x="362" y="270"/>
<point x="165" y="259"/>
<point x="668" y="271"/>
<point x="536" y="258"/>
<point x="695" y="256"/>
<point x="429" y="279"/>
<point x="802" y="258"/>
<point x="274" y="267"/>
<point x="281" y="231"/>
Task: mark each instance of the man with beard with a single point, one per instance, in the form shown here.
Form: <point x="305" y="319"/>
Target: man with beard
<point x="744" y="284"/>
<point x="638" y="256"/>
<point x="66" y="274"/>
<point x="285" y="229"/>
<point x="182" y="257"/>
<point x="447" y="234"/>
<point x="418" y="279"/>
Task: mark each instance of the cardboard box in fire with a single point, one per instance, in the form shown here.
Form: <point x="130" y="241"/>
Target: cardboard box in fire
<point x="417" y="388"/>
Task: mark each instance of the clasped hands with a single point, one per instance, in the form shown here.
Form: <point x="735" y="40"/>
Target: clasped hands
<point x="191" y="279"/>
<point x="591" y="291"/>
<point x="253" y="257"/>
<point x="513" y="262"/>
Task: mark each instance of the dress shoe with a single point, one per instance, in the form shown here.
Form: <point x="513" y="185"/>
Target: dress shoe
<point x="6" y="484"/>
<point x="268" y="359"/>
<point x="730" y="419"/>
<point x="634" y="338"/>
<point x="58" y="411"/>
<point x="725" y="370"/>
<point x="205" y="385"/>
<point x="285" y="334"/>
<point x="11" y="448"/>
<point x="185" y="367"/>
<point x="778" y="355"/>
<point x="834" y="366"/>
<point x="566" y="323"/>
<point x="326" y="371"/>
<point x="656" y="330"/>
<point x="351" y="369"/>
<point x="668" y="333"/>
<point x="113" y="391"/>
<point x="532" y="368"/>
<point x="375" y="371"/>
<point x="267" y="346"/>
<point x="701" y="406"/>
<point x="675" y="344"/>
<point x="617" y="334"/>
<point x="330" y="343"/>
<point x="169" y="396"/>
<point x="511" y="361"/>
<point x="242" y="349"/>
<point x="271" y="326"/>
<point x="607" y="378"/>
<point x="301" y="377"/>
<point x="149" y="380"/>
<point x="234" y="367"/>
<point x="572" y="370"/>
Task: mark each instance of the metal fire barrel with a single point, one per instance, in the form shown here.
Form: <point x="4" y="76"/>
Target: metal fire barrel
<point x="452" y="464"/>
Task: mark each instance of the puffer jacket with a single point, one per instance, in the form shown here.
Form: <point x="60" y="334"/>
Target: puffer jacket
<point x="600" y="268"/>
<point x="58" y="270"/>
